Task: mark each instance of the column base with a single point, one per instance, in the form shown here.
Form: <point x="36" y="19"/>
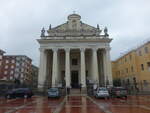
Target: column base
<point x="41" y="91"/>
<point x="84" y="90"/>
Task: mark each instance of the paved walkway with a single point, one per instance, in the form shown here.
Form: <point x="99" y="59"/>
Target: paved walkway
<point x="76" y="104"/>
<point x="80" y="104"/>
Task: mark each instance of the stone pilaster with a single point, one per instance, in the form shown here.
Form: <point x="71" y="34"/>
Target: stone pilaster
<point x="95" y="66"/>
<point x="83" y="70"/>
<point x="42" y="70"/>
<point x="107" y="67"/>
<point x="67" y="67"/>
<point x="55" y="67"/>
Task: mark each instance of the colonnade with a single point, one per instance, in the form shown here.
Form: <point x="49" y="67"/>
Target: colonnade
<point x="94" y="66"/>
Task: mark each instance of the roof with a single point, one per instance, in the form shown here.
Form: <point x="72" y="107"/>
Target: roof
<point x="133" y="50"/>
<point x="74" y="27"/>
<point x="2" y="52"/>
<point x="18" y="56"/>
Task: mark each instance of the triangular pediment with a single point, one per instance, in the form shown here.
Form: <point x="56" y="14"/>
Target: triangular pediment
<point x="65" y="27"/>
<point x="74" y="27"/>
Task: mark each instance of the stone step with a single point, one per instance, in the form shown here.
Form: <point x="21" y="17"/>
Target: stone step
<point x="75" y="91"/>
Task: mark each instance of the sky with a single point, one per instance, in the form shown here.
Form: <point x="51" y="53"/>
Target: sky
<point x="128" y="22"/>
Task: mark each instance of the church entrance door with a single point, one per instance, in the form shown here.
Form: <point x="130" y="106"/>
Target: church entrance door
<point x="74" y="79"/>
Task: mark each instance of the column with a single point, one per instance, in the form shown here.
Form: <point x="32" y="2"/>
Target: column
<point x="42" y="69"/>
<point x="95" y="66"/>
<point x="107" y="67"/>
<point x="67" y="67"/>
<point x="83" y="73"/>
<point x="55" y="67"/>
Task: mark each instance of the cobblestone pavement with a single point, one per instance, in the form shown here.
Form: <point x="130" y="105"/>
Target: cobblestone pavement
<point x="76" y="104"/>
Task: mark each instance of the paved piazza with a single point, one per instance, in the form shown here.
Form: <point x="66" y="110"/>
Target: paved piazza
<point x="76" y="104"/>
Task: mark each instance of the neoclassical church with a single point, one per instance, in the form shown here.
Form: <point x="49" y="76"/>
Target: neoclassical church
<point x="74" y="53"/>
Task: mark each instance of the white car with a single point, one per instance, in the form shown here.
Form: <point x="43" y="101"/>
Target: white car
<point x="102" y="92"/>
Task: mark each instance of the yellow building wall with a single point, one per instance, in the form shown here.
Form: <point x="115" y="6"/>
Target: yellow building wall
<point x="144" y="58"/>
<point x="122" y="67"/>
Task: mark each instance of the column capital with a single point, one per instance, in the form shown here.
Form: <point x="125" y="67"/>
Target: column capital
<point x="108" y="49"/>
<point x="54" y="49"/>
<point x="67" y="49"/>
<point x="42" y="49"/>
<point x="82" y="49"/>
<point x="94" y="49"/>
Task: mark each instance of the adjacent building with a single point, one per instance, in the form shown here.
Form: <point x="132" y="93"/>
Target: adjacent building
<point x="133" y="68"/>
<point x="34" y="77"/>
<point x="1" y="60"/>
<point x="74" y="53"/>
<point x="16" y="67"/>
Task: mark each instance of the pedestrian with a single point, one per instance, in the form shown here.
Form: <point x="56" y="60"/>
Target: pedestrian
<point x="80" y="86"/>
<point x="68" y="91"/>
<point x="94" y="89"/>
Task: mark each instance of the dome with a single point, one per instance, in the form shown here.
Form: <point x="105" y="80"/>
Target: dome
<point x="74" y="16"/>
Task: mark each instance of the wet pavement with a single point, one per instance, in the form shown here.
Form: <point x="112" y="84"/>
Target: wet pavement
<point x="76" y="104"/>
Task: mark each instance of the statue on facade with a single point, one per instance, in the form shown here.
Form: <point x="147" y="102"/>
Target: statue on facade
<point x="97" y="26"/>
<point x="43" y="32"/>
<point x="106" y="32"/>
<point x="50" y="27"/>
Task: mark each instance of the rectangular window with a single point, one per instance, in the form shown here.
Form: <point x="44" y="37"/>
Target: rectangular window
<point x="125" y="59"/>
<point x="22" y="64"/>
<point x="146" y="49"/>
<point x="126" y="70"/>
<point x="10" y="77"/>
<point x="140" y="53"/>
<point x="12" y="61"/>
<point x="6" y="67"/>
<point x="11" y="72"/>
<point x="17" y="58"/>
<point x="132" y="68"/>
<point x="142" y="67"/>
<point x="12" y="66"/>
<point x="21" y="75"/>
<point x="145" y="82"/>
<point x="7" y="61"/>
<point x="130" y="57"/>
<point x="17" y="69"/>
<point x="17" y="64"/>
<point x="5" y="73"/>
<point x="119" y="72"/>
<point x="74" y="61"/>
<point x="22" y="69"/>
<point x="148" y="66"/>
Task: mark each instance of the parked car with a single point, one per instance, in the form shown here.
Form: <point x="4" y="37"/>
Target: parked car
<point x="118" y="92"/>
<point x="54" y="92"/>
<point x="102" y="92"/>
<point x="19" y="92"/>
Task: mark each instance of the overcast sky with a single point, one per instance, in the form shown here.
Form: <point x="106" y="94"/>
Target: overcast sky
<point x="128" y="22"/>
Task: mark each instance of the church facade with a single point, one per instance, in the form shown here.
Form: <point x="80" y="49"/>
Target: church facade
<point x="74" y="54"/>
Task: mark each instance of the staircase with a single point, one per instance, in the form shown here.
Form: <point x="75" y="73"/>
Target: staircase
<point x="76" y="92"/>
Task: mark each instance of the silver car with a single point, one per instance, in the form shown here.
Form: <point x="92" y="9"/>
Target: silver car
<point x="102" y="92"/>
<point x="53" y="92"/>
